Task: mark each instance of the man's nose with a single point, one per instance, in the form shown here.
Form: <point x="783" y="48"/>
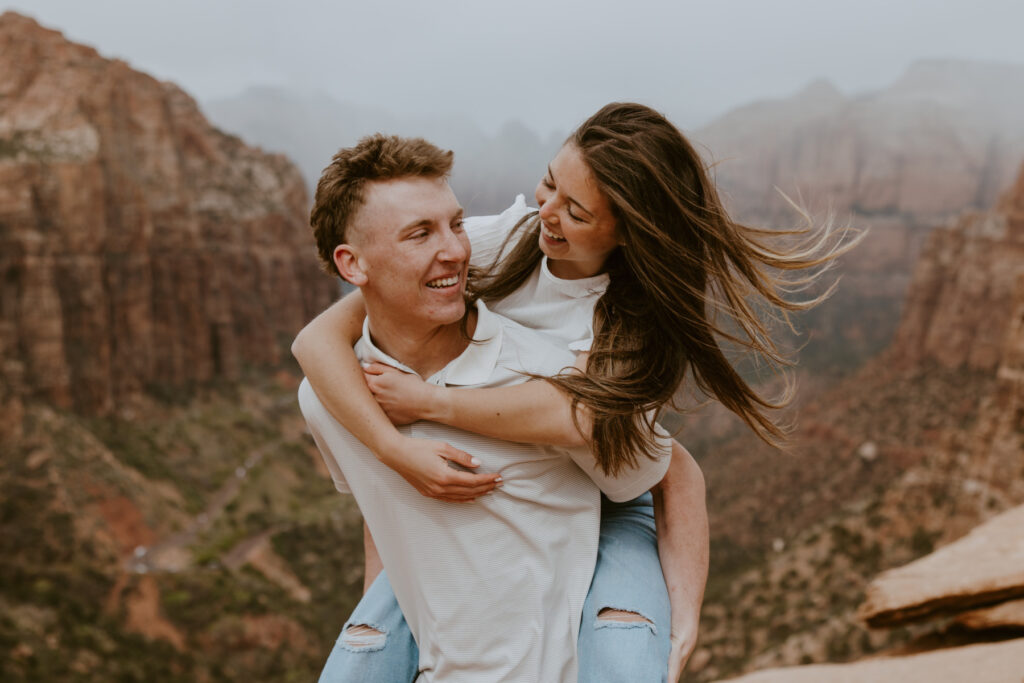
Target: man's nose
<point x="453" y="248"/>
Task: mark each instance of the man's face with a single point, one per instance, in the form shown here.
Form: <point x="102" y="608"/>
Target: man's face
<point x="412" y="250"/>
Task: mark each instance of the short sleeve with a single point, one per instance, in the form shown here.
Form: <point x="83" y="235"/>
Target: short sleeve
<point x="487" y="233"/>
<point x="320" y="424"/>
<point x="630" y="482"/>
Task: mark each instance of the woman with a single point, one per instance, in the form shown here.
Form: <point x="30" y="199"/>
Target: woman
<point x="631" y="255"/>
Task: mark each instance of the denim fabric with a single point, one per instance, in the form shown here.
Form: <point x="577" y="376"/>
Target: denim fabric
<point x="391" y="659"/>
<point x="627" y="577"/>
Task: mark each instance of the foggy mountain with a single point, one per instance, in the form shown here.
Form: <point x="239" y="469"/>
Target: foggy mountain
<point x="309" y="127"/>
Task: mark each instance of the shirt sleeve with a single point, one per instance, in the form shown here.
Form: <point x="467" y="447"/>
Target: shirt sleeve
<point x="319" y="421"/>
<point x="487" y="233"/>
<point x="630" y="481"/>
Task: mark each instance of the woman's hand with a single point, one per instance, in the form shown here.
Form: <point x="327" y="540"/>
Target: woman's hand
<point x="403" y="396"/>
<point x="682" y="647"/>
<point x="424" y="464"/>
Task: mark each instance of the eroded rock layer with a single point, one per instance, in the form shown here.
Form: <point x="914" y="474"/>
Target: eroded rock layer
<point x="139" y="245"/>
<point x="983" y="567"/>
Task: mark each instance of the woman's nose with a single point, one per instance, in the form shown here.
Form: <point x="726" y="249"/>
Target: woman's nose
<point x="547" y="212"/>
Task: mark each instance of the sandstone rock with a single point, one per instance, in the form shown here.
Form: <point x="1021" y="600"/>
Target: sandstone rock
<point x="990" y="663"/>
<point x="983" y="567"/>
<point x="1006" y="615"/>
<point x="961" y="309"/>
<point x="139" y="245"/>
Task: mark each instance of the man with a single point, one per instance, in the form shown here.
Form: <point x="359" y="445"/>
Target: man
<point x="491" y="590"/>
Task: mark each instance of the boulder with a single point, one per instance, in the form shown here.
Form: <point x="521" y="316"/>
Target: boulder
<point x="983" y="568"/>
<point x="989" y="663"/>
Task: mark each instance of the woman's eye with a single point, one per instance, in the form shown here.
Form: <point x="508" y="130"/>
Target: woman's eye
<point x="548" y="184"/>
<point x="573" y="216"/>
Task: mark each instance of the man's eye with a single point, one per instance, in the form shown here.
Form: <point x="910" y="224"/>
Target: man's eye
<point x="419" y="234"/>
<point x="548" y="184"/>
<point x="459" y="225"/>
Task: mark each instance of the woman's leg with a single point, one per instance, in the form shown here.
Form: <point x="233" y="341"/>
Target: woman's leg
<point x="375" y="644"/>
<point x="624" y="635"/>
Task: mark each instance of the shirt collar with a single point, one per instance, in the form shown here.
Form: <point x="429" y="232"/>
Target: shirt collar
<point x="474" y="366"/>
<point x="576" y="289"/>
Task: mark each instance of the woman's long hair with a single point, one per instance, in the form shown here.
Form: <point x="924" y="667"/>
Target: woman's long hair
<point x="685" y="276"/>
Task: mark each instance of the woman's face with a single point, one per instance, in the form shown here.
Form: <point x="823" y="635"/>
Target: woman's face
<point x="578" y="230"/>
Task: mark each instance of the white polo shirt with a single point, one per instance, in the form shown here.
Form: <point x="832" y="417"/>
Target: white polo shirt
<point x="492" y="590"/>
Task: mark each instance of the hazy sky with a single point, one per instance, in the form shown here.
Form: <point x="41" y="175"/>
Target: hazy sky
<point x="547" y="63"/>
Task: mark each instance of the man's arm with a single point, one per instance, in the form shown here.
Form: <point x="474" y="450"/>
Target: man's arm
<point x="681" y="518"/>
<point x="372" y="566"/>
<point x="324" y="350"/>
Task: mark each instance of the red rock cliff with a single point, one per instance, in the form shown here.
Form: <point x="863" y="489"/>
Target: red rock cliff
<point x="138" y="244"/>
<point x="966" y="300"/>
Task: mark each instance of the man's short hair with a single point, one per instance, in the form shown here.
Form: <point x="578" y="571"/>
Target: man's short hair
<point x="341" y="190"/>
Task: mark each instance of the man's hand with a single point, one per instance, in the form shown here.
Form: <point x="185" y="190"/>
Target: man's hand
<point x="404" y="397"/>
<point x="683" y="644"/>
<point x="424" y="464"/>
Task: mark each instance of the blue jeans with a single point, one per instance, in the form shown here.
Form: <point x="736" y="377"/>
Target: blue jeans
<point x="627" y="577"/>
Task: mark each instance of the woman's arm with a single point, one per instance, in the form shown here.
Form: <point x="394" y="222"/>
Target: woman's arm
<point x="372" y="565"/>
<point x="531" y="412"/>
<point x="324" y="350"/>
<point x="681" y="518"/>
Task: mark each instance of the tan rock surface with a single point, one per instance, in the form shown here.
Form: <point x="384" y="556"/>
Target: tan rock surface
<point x="983" y="567"/>
<point x="989" y="663"/>
<point x="139" y="246"/>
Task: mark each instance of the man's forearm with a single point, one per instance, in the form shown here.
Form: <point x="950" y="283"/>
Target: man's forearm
<point x="680" y="513"/>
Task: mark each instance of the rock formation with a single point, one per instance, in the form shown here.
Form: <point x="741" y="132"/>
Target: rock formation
<point x="984" y="567"/>
<point x="962" y="308"/>
<point x="990" y="663"/>
<point x="139" y="246"/>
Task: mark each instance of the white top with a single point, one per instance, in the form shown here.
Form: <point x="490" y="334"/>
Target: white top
<point x="561" y="310"/>
<point x="493" y="590"/>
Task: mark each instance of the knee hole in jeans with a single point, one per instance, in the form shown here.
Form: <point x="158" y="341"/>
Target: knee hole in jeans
<point x="363" y="637"/>
<point x="622" y="618"/>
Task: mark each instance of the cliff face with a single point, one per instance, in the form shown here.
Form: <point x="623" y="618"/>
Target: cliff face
<point x="922" y="444"/>
<point x="963" y="307"/>
<point x="138" y="244"/>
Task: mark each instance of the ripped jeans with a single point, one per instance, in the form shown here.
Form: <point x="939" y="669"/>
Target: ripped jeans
<point x="624" y="633"/>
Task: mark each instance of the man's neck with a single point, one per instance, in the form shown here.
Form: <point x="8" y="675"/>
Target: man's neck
<point x="426" y="349"/>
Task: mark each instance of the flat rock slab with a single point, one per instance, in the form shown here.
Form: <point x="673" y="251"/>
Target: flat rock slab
<point x="983" y="568"/>
<point x="1005" y="615"/>
<point x="989" y="663"/>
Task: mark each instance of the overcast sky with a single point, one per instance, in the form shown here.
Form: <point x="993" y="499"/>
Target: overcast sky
<point x="547" y="63"/>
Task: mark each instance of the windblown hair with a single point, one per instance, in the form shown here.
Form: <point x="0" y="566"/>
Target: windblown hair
<point x="683" y="264"/>
<point x="341" y="189"/>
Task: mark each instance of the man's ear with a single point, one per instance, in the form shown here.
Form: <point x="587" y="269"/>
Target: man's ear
<point x="350" y="264"/>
